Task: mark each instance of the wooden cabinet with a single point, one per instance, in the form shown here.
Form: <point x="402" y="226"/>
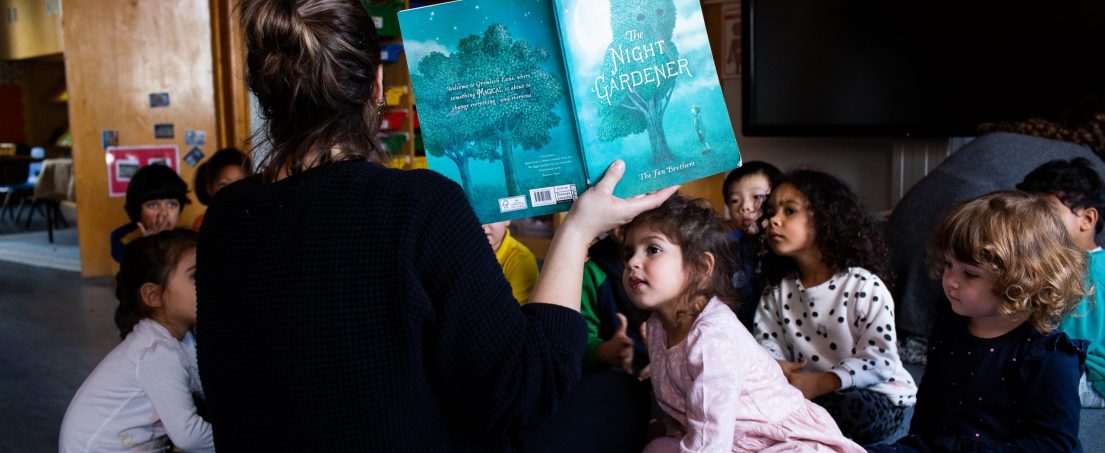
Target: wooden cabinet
<point x="30" y="28"/>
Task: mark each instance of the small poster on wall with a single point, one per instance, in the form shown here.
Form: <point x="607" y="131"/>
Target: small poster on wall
<point x="731" y="25"/>
<point x="124" y="161"/>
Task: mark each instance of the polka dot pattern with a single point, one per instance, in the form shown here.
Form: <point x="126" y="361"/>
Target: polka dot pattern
<point x="840" y="322"/>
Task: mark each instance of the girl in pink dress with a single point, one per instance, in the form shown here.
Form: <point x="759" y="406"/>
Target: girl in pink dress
<point x="719" y="390"/>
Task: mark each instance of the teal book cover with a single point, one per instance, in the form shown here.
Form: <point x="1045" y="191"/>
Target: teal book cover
<point x="646" y="91"/>
<point x="493" y="103"/>
<point x="525" y="103"/>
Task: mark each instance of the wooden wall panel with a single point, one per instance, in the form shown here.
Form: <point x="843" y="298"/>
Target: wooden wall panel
<point x="117" y="53"/>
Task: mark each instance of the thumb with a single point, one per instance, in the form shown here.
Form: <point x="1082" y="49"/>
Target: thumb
<point x="623" y="324"/>
<point x="613" y="174"/>
<point x="142" y="229"/>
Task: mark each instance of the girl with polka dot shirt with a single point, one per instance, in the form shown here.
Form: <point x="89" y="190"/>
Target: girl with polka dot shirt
<point x="999" y="376"/>
<point x="827" y="317"/>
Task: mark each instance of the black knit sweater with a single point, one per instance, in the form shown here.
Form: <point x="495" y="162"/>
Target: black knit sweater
<point x="359" y="308"/>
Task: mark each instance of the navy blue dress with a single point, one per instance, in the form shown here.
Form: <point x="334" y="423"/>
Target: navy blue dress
<point x="1016" y="392"/>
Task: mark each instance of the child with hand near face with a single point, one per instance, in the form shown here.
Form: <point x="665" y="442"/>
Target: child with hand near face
<point x="155" y="198"/>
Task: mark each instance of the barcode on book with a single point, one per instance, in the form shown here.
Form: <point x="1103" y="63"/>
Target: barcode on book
<point x="541" y="197"/>
<point x="545" y="196"/>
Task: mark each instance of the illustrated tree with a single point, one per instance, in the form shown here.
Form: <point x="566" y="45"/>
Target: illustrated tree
<point x="449" y="133"/>
<point x="522" y="122"/>
<point x="641" y="109"/>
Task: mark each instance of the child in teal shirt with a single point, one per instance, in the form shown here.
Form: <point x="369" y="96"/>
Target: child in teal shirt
<point x="1076" y="191"/>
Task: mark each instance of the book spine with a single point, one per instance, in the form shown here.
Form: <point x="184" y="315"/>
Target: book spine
<point x="566" y="59"/>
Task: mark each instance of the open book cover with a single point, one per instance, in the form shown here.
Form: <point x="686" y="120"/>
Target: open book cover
<point x="525" y="103"/>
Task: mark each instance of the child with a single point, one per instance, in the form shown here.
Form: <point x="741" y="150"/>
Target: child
<point x="999" y="377"/>
<point x="227" y="165"/>
<point x="613" y="322"/>
<point x="155" y="198"/>
<point x="718" y="389"/>
<point x="518" y="263"/>
<point x="828" y="317"/>
<point x="1075" y="190"/>
<point x="140" y="397"/>
<point x="745" y="190"/>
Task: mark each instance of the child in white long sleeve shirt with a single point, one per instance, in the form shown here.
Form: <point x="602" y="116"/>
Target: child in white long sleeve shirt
<point x="140" y="397"/>
<point x="826" y="317"/>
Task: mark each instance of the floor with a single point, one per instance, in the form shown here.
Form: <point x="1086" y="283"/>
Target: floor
<point x="54" y="328"/>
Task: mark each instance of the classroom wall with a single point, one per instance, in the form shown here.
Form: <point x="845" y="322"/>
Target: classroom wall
<point x="117" y="53"/>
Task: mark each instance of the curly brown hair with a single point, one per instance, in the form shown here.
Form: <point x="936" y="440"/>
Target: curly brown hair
<point x="697" y="229"/>
<point x="843" y="232"/>
<point x="1019" y="237"/>
<point x="1082" y="125"/>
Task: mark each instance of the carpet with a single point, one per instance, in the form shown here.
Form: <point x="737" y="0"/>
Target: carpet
<point x="34" y="249"/>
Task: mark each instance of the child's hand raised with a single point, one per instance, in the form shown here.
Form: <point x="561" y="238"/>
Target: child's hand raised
<point x="161" y="222"/>
<point x="618" y="350"/>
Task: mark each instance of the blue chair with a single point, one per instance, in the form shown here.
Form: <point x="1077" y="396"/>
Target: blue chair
<point x="24" y="189"/>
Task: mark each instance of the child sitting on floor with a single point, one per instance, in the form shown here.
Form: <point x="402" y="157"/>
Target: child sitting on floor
<point x="141" y="396"/>
<point x="155" y="198"/>
<point x="999" y="376"/>
<point x="719" y="390"/>
<point x="519" y="264"/>
<point x="226" y="166"/>
<point x="1075" y="189"/>
<point x="828" y="316"/>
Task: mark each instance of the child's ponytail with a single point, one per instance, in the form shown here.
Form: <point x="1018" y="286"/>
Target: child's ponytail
<point x="149" y="259"/>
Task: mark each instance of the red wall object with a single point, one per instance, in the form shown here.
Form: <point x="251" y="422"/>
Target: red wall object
<point x="12" y="124"/>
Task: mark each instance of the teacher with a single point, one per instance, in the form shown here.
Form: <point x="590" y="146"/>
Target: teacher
<point x="347" y="306"/>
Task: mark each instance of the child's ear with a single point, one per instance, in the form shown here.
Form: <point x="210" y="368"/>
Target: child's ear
<point x="708" y="262"/>
<point x="151" y="294"/>
<point x="1088" y="219"/>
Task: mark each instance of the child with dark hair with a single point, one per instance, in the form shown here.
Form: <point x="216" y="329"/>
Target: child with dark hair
<point x="227" y="165"/>
<point x="1077" y="193"/>
<point x="140" y="397"/>
<point x="155" y="198"/>
<point x="745" y="190"/>
<point x="1000" y="377"/>
<point x="718" y="389"/>
<point x="828" y="316"/>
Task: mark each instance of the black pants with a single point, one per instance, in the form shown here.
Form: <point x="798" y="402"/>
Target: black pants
<point x="865" y="416"/>
<point x="608" y="411"/>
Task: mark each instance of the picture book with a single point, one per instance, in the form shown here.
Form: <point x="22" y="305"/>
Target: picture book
<point x="525" y="103"/>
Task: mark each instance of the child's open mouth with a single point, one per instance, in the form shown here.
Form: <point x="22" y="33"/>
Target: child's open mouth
<point x="635" y="282"/>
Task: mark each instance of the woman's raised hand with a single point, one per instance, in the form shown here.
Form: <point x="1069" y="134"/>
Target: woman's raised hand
<point x="598" y="210"/>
